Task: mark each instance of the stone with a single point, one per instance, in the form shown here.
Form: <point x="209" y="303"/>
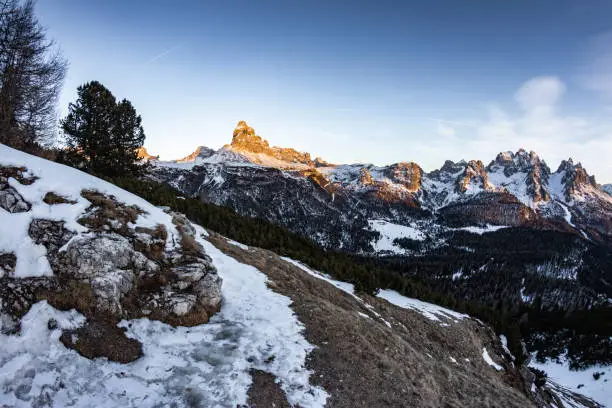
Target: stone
<point x="12" y="201"/>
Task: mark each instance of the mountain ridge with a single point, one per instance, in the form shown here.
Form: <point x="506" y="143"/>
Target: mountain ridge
<point x="568" y="194"/>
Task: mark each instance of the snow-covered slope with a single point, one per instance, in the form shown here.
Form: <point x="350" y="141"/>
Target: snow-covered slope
<point x="206" y="365"/>
<point x="67" y="183"/>
<point x="594" y="382"/>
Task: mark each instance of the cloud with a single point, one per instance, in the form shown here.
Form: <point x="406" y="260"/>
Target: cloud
<point x="445" y="130"/>
<point x="540" y="125"/>
<point x="540" y="93"/>
<point x="598" y="74"/>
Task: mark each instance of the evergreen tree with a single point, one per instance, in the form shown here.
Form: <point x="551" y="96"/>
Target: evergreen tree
<point x="102" y="135"/>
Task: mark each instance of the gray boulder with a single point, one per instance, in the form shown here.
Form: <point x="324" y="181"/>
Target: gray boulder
<point x="12" y="201"/>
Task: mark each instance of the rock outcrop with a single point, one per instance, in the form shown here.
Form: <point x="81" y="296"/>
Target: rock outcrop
<point x="245" y="141"/>
<point x="473" y="177"/>
<point x="143" y="154"/>
<point x="201" y="152"/>
<point x="110" y="269"/>
<point x="10" y="199"/>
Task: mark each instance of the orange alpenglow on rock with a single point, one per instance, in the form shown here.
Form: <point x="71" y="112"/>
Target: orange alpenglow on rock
<point x="144" y="155"/>
<point x="245" y="140"/>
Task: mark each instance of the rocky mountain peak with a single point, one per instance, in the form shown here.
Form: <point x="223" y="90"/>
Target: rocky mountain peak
<point x="200" y="151"/>
<point x="521" y="161"/>
<point x="244" y="138"/>
<point x="408" y="174"/>
<point x="474" y="174"/>
<point x="144" y="155"/>
<point x="575" y="177"/>
<point x="507" y="164"/>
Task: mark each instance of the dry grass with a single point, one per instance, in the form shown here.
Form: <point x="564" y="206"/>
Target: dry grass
<point x="73" y="295"/>
<point x="105" y="209"/>
<point x="364" y="363"/>
<point x="265" y="391"/>
<point x="195" y="317"/>
<point x="190" y="246"/>
<point x="102" y="339"/>
<point x="52" y="198"/>
<point x="17" y="174"/>
<point x="154" y="249"/>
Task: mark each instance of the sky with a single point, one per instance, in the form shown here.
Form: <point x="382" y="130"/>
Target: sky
<point x="354" y="81"/>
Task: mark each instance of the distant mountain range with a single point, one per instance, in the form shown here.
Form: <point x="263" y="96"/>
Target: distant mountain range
<point x="515" y="189"/>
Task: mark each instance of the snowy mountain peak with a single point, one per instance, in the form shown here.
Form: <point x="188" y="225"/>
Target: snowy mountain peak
<point x="200" y="152"/>
<point x="523" y="174"/>
<point x="246" y="142"/>
<point x="474" y="178"/>
<point x="575" y="178"/>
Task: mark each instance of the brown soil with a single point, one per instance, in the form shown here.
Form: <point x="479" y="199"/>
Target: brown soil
<point x="361" y="362"/>
<point x="52" y="198"/>
<point x="265" y="392"/>
<point x="102" y="339"/>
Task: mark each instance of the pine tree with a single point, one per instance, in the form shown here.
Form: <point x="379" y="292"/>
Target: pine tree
<point x="102" y="135"/>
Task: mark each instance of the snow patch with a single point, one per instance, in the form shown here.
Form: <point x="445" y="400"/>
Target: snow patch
<point x="389" y="232"/>
<point x="487" y="358"/>
<point x="600" y="390"/>
<point x="429" y="310"/>
<point x="482" y="230"/>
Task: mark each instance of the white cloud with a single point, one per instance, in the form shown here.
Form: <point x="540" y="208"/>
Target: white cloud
<point x="445" y="130"/>
<point x="540" y="93"/>
<point x="598" y="74"/>
<point x="541" y="125"/>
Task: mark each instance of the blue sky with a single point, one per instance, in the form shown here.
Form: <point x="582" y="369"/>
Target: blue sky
<point x="354" y="81"/>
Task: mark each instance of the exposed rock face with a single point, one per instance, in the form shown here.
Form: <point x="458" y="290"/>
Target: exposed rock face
<point x="407" y="174"/>
<point x="474" y="175"/>
<point x="16" y="298"/>
<point x="7" y="263"/>
<point x="144" y="155"/>
<point x="365" y="177"/>
<point x="52" y="234"/>
<point x="575" y="178"/>
<point x="109" y="264"/>
<point x="116" y="270"/>
<point x="201" y="152"/>
<point x="537" y="173"/>
<point x="128" y="271"/>
<point x="245" y="140"/>
<point x="12" y="201"/>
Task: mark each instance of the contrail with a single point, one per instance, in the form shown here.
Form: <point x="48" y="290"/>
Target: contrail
<point x="169" y="50"/>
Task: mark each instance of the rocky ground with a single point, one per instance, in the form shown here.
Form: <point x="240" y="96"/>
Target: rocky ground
<point x="371" y="353"/>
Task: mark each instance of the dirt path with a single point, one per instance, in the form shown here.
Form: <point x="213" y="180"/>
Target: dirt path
<point x="361" y="362"/>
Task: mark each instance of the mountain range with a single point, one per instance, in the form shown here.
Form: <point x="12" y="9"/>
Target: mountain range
<point x="514" y="189"/>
